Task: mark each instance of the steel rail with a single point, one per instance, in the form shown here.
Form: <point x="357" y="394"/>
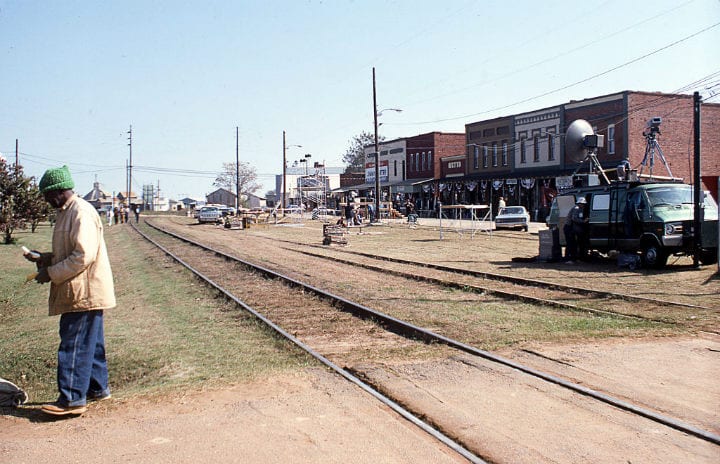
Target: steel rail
<point x="409" y="330"/>
<point x="491" y="291"/>
<point x="512" y="279"/>
<point x="406" y="414"/>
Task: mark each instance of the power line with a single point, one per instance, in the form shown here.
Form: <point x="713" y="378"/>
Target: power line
<point x="552" y="58"/>
<point x="594" y="76"/>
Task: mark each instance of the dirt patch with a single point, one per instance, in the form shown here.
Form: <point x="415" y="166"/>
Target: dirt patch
<point x="309" y="417"/>
<point x="507" y="417"/>
<point x="678" y="376"/>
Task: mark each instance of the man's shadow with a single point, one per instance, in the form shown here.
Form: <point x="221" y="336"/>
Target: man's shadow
<point x="32" y="412"/>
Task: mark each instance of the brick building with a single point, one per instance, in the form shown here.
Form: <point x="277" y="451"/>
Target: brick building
<point x="536" y="157"/>
<point x="676" y="138"/>
<point x="431" y="156"/>
<point x="623" y="119"/>
<point x="424" y="150"/>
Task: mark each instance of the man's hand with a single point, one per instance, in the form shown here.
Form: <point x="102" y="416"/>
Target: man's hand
<point x="42" y="276"/>
<point x="32" y="256"/>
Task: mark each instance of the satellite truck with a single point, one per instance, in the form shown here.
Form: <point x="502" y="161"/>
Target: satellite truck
<point x="639" y="214"/>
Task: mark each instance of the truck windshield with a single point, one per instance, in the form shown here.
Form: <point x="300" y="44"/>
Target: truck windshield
<point x="670" y="196"/>
<point x="678" y="196"/>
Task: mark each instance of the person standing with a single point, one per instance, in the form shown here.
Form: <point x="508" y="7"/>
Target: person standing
<point x="501" y="203"/>
<point x="81" y="288"/>
<point x="580" y="221"/>
<point x="570" y="242"/>
<point x="575" y="231"/>
<point x="371" y="212"/>
<point x="137" y="215"/>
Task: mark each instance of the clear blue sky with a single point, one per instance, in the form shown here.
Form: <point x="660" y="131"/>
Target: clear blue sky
<point x="76" y="74"/>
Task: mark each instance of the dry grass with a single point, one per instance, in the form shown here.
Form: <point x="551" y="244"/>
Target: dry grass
<point x="168" y="332"/>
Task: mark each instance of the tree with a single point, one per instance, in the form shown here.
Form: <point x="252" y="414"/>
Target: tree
<point x="227" y="179"/>
<point x="37" y="208"/>
<point x="354" y="157"/>
<point x="21" y="202"/>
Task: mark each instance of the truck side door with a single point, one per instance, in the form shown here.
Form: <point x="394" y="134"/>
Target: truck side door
<point x="599" y="212"/>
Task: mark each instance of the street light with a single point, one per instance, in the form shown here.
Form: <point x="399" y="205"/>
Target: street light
<point x="285" y="147"/>
<point x="303" y="180"/>
<point x="307" y="161"/>
<point x="377" y="114"/>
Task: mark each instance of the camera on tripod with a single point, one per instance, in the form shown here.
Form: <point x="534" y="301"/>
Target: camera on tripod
<point x="653" y="126"/>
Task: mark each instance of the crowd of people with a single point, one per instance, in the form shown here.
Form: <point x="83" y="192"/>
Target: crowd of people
<point x="354" y="216"/>
<point x="121" y="215"/>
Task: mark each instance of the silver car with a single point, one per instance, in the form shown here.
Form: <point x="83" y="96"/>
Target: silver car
<point x="512" y="217"/>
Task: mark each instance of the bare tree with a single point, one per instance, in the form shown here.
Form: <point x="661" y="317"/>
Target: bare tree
<point x="227" y="179"/>
<point x="354" y="157"/>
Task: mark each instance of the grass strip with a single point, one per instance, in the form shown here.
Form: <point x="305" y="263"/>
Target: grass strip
<point x="168" y="332"/>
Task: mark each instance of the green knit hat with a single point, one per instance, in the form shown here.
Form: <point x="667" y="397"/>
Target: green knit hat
<point x="56" y="179"/>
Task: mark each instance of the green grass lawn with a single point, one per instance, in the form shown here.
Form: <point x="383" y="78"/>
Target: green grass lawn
<point x="168" y="332"/>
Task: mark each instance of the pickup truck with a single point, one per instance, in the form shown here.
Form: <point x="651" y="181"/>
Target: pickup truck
<point x="210" y="214"/>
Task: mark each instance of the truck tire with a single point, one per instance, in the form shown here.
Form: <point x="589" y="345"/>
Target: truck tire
<point x="708" y="256"/>
<point x="654" y="256"/>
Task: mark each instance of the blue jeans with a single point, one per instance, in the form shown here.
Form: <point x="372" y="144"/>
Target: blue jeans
<point x="82" y="368"/>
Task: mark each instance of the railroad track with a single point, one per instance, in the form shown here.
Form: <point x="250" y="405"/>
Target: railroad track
<point x="512" y="288"/>
<point x="533" y="291"/>
<point x="405" y="334"/>
<point x="519" y="281"/>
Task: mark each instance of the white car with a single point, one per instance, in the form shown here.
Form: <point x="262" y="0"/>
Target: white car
<point x="512" y="217"/>
<point x="294" y="209"/>
<point x="210" y="214"/>
<point x="325" y="212"/>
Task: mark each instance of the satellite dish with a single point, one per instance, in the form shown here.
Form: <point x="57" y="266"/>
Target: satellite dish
<point x="576" y="149"/>
<point x="581" y="144"/>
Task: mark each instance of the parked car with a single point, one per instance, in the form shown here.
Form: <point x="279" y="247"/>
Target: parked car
<point x="512" y="217"/>
<point x="210" y="214"/>
<point x="227" y="211"/>
<point x="325" y="212"/>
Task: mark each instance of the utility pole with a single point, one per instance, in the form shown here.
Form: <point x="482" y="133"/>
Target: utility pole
<point x="237" y="169"/>
<point x="697" y="190"/>
<point x="284" y="173"/>
<point x="130" y="167"/>
<point x="377" y="154"/>
<point x="285" y="147"/>
<point x="17" y="156"/>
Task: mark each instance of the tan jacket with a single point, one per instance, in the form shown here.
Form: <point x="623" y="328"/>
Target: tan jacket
<point x="80" y="269"/>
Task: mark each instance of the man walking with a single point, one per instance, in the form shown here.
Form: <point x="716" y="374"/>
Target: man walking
<point x="81" y="287"/>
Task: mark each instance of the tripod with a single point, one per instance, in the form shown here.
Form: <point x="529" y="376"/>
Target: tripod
<point x="592" y="160"/>
<point x="652" y="146"/>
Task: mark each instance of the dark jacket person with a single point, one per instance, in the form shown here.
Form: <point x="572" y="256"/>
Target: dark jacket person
<point x="81" y="287"/>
